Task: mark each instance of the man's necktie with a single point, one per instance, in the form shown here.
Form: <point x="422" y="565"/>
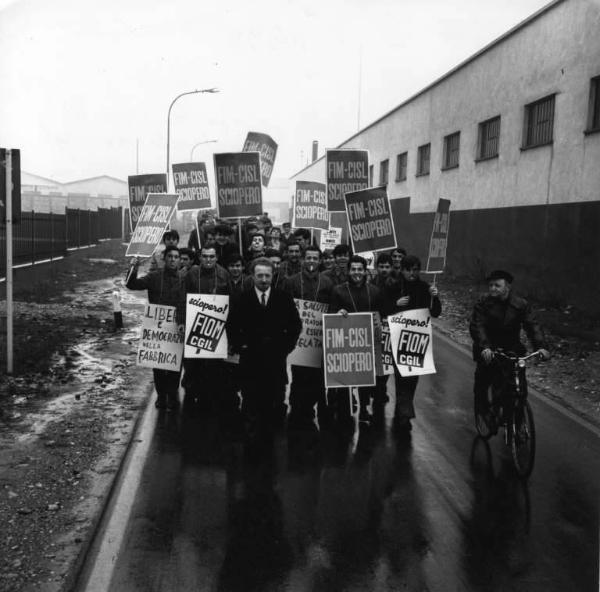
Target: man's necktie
<point x="263" y="299"/>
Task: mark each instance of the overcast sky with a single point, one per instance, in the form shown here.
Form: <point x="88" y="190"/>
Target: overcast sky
<point x="82" y="80"/>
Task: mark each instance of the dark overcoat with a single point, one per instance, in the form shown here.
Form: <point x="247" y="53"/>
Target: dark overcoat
<point x="263" y="335"/>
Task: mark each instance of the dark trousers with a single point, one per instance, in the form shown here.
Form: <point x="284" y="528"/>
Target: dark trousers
<point x="342" y="403"/>
<point x="381" y="397"/>
<point x="405" y="395"/>
<point x="492" y="376"/>
<point x="306" y="391"/>
<point x="262" y="402"/>
<point x="166" y="383"/>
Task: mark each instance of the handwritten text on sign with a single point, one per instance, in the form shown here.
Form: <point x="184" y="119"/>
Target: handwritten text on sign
<point x="191" y="184"/>
<point x="347" y="170"/>
<point x="239" y="190"/>
<point x="267" y="147"/>
<point x="436" y="261"/>
<point x="310" y="206"/>
<point x="370" y="219"/>
<point x="411" y="342"/>
<point x="348" y="350"/>
<point x="139" y="188"/>
<point x="309" y="348"/>
<point x="205" y="318"/>
<point x="151" y="224"/>
<point x="161" y="343"/>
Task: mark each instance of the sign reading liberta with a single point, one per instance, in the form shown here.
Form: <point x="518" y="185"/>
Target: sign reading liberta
<point x="139" y="188"/>
<point x="256" y="142"/>
<point x="239" y="190"/>
<point x="310" y="206"/>
<point x="151" y="224"/>
<point x="191" y="184"/>
<point x="347" y="170"/>
<point x="161" y="343"/>
<point x="436" y="260"/>
<point x="370" y="219"/>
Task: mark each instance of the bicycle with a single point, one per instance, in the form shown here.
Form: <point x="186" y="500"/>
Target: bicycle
<point x="510" y="409"/>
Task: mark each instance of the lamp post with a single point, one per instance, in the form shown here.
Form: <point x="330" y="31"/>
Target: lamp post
<point x="199" y="144"/>
<point x="191" y="92"/>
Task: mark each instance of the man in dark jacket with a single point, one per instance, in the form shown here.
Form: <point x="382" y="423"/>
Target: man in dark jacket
<point x="308" y="384"/>
<point x="202" y="376"/>
<point x="409" y="293"/>
<point x="356" y="295"/>
<point x="263" y="327"/>
<point x="496" y="323"/>
<point x="293" y="264"/>
<point x="224" y="247"/>
<point x="165" y="286"/>
<point x="339" y="274"/>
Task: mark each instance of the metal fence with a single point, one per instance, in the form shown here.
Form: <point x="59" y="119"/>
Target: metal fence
<point x="47" y="236"/>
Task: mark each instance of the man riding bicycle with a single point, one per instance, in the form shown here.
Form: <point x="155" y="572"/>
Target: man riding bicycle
<point x="496" y="323"/>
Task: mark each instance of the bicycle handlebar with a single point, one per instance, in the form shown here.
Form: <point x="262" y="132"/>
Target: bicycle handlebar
<point x="536" y="353"/>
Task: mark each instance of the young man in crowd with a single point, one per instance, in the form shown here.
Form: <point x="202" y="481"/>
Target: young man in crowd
<point x="293" y="264"/>
<point x="235" y="268"/>
<point x="170" y="239"/>
<point x="286" y="232"/>
<point x="356" y="295"/>
<point x="274" y="256"/>
<point x="410" y="293"/>
<point x="224" y="246"/>
<point x="339" y="273"/>
<point x="308" y="384"/>
<point x="186" y="260"/>
<point x="165" y="286"/>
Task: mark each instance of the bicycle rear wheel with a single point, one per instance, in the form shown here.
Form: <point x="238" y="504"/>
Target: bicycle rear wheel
<point x="523" y="438"/>
<point x="484" y="418"/>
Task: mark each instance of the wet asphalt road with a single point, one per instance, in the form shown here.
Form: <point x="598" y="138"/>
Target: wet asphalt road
<point x="439" y="510"/>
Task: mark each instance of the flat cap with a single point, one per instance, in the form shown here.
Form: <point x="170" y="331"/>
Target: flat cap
<point x="499" y="274"/>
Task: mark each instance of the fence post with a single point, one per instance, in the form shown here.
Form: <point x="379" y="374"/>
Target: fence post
<point x="51" y="235"/>
<point x="78" y="228"/>
<point x="32" y="237"/>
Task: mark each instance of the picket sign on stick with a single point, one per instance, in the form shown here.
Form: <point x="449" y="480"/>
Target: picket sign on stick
<point x="205" y="319"/>
<point x="161" y="342"/>
<point x="438" y="244"/>
<point x="411" y="337"/>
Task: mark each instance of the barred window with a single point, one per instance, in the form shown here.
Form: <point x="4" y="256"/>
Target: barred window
<point x="489" y="138"/>
<point x="384" y="169"/>
<point x="401" y="163"/>
<point x="423" y="157"/>
<point x="451" y="151"/>
<point x="594" y="111"/>
<point x="539" y="122"/>
<point x="371" y="175"/>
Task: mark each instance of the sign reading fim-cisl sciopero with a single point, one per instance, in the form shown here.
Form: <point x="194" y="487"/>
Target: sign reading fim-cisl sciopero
<point x="310" y="206"/>
<point x="238" y="180"/>
<point x="347" y="170"/>
<point x="139" y="188"/>
<point x="412" y="349"/>
<point x="267" y="147"/>
<point x="205" y="319"/>
<point x="191" y="184"/>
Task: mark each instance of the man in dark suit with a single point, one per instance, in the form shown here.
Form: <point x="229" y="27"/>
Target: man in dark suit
<point x="263" y="327"/>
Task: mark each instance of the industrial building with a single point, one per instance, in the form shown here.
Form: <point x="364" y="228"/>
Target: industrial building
<point x="512" y="137"/>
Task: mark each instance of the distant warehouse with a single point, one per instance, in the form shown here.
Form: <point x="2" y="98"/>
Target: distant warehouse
<point x="512" y="137"/>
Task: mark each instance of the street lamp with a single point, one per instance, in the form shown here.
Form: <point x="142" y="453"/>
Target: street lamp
<point x="199" y="144"/>
<point x="191" y="92"/>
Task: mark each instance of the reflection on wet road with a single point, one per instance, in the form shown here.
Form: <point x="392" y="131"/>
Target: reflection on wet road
<point x="435" y="510"/>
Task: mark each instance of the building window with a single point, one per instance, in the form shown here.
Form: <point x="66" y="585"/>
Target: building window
<point x="401" y="162"/>
<point x="423" y="156"/>
<point x="384" y="169"/>
<point x="539" y="121"/>
<point x="451" y="151"/>
<point x="594" y="111"/>
<point x="489" y="138"/>
<point x="371" y="175"/>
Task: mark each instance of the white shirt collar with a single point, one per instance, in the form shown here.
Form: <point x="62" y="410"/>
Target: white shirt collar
<point x="259" y="294"/>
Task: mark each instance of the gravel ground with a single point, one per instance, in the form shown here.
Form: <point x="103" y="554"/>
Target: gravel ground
<point x="68" y="413"/>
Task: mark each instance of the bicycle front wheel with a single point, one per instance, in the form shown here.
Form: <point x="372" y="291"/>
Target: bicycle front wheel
<point x="523" y="438"/>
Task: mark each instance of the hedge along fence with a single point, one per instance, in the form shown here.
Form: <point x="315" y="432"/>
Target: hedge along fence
<point x="46" y="236"/>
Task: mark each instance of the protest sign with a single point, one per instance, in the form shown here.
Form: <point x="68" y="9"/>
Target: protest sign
<point x="436" y="260"/>
<point x="330" y="238"/>
<point x="348" y="350"/>
<point x="309" y="348"/>
<point x="239" y="190"/>
<point x="191" y="184"/>
<point x="267" y="147"/>
<point x="205" y="318"/>
<point x="310" y="206"/>
<point x="387" y="358"/>
<point x="139" y="188"/>
<point x="161" y="343"/>
<point x="347" y="170"/>
<point x="412" y="349"/>
<point x="151" y="224"/>
<point x="370" y="220"/>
